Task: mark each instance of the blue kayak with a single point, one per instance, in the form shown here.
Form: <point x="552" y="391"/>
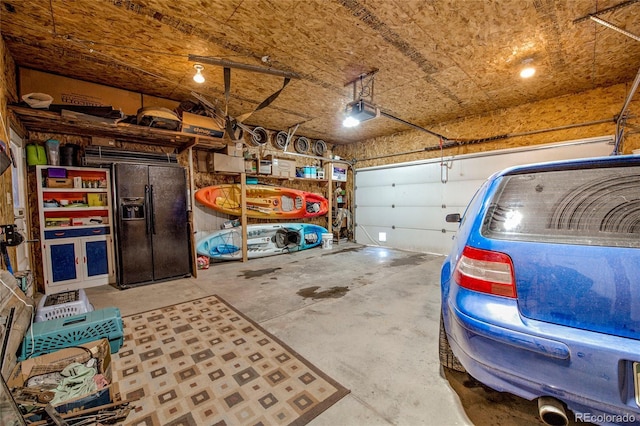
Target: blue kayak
<point x="263" y="240"/>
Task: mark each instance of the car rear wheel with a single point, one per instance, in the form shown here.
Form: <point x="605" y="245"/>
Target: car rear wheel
<point x="447" y="358"/>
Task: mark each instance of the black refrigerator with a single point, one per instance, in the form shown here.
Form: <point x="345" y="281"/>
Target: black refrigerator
<point x="152" y="229"/>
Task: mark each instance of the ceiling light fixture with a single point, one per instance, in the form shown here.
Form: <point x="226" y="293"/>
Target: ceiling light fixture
<point x="247" y="67"/>
<point x="528" y="71"/>
<point x="198" y="77"/>
<point x="359" y="111"/>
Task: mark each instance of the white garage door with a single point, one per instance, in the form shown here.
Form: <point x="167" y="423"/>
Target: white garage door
<point x="404" y="205"/>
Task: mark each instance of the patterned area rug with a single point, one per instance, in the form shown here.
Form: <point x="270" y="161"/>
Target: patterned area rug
<point x="204" y="363"/>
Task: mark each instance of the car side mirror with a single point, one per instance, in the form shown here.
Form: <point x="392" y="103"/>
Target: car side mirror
<point x="453" y="218"/>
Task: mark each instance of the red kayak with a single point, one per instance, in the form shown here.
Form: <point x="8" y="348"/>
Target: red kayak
<point x="263" y="201"/>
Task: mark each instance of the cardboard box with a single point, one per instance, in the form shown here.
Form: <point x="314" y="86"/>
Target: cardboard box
<point x="69" y="91"/>
<point x="250" y="166"/>
<point x="226" y="163"/>
<point x="202" y="161"/>
<point x="234" y="149"/>
<point x="201" y="125"/>
<point x="265" y="167"/>
<point x="56" y="362"/>
<point x="104" y="396"/>
<point x="59" y="183"/>
<point x="283" y="168"/>
<point x="98" y="141"/>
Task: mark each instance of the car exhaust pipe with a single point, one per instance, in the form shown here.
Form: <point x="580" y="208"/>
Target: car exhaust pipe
<point x="552" y="411"/>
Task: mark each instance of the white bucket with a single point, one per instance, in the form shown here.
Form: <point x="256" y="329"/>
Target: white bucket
<point x="327" y="241"/>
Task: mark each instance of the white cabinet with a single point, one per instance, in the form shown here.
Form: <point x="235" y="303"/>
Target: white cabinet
<point x="83" y="261"/>
<point x="75" y="222"/>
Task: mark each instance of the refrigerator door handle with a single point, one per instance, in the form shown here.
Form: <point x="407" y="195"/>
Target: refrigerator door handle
<point x="153" y="212"/>
<point x="147" y="202"/>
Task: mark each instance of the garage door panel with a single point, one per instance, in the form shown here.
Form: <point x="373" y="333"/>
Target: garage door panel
<point x="405" y="239"/>
<point x="423" y="194"/>
<point x="374" y="215"/>
<point x="417" y="217"/>
<point x="408" y="174"/>
<point x="459" y="193"/>
<point x="404" y="217"/>
<point x="374" y="196"/>
<point x="426" y="194"/>
<point x="479" y="168"/>
<point x="418" y="194"/>
<point x="384" y="216"/>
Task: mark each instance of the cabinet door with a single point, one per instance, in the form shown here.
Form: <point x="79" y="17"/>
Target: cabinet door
<point x="96" y="257"/>
<point x="62" y="261"/>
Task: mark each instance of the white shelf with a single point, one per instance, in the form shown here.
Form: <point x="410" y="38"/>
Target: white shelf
<point x="47" y="189"/>
<point x="70" y="227"/>
<point x="76" y="256"/>
<point x="74" y="209"/>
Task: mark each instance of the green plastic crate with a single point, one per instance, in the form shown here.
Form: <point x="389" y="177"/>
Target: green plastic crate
<point x="49" y="336"/>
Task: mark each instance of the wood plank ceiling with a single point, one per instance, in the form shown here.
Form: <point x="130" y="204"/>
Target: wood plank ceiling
<point x="436" y="60"/>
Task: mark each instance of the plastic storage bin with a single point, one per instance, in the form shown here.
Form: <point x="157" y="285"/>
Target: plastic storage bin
<point x="61" y="305"/>
<point x="53" y="151"/>
<point x="49" y="336"/>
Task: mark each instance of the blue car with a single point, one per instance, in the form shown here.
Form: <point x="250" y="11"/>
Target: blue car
<point x="541" y="291"/>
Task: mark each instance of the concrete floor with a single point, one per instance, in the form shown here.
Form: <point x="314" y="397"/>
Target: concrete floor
<point x="367" y="316"/>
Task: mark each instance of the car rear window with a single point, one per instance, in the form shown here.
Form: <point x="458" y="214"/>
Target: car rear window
<point x="588" y="206"/>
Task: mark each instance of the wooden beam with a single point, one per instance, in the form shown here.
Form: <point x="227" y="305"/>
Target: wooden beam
<point x="243" y="215"/>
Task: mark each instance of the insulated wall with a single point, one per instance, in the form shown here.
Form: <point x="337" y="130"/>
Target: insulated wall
<point x="404" y="205"/>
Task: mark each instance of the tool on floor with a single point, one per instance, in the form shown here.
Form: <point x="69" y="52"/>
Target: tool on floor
<point x="55" y="416"/>
<point x="7" y="332"/>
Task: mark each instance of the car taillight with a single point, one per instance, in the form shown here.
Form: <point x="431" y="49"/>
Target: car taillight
<point x="486" y="271"/>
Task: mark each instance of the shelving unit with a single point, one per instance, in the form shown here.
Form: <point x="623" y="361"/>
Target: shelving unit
<point x="82" y="234"/>
<point x="340" y="215"/>
<point x="82" y="125"/>
<point x="76" y="233"/>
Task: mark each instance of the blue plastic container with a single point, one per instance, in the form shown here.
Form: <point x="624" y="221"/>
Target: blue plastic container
<point x="49" y="336"/>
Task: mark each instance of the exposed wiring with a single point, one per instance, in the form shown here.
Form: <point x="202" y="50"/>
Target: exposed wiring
<point x="33" y="311"/>
<point x="4" y="127"/>
<point x="366" y="88"/>
<point x="367" y="234"/>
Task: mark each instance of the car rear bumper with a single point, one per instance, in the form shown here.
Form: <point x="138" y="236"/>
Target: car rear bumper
<point x="592" y="373"/>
